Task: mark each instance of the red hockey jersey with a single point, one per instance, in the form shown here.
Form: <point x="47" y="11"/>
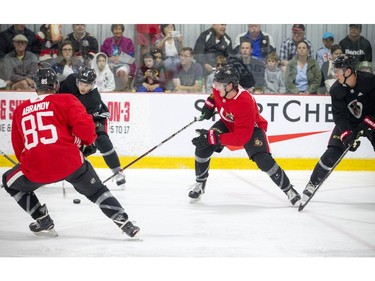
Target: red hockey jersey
<point x="46" y="132"/>
<point x="240" y="114"/>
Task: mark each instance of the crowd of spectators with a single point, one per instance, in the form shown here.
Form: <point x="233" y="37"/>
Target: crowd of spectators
<point x="167" y="65"/>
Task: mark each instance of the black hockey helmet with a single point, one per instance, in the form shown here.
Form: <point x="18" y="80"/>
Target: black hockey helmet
<point x="345" y="61"/>
<point x="227" y="74"/>
<point x="86" y="75"/>
<point x="46" y="79"/>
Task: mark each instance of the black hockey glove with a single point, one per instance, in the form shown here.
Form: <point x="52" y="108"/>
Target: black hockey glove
<point x="349" y="139"/>
<point x="206" y="138"/>
<point x="208" y="109"/>
<point x="88" y="150"/>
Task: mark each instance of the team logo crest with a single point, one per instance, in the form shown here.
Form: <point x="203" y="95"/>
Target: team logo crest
<point x="229" y="116"/>
<point x="355" y="108"/>
<point x="258" y="142"/>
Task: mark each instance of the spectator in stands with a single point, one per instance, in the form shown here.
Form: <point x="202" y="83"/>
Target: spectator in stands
<point x="146" y="35"/>
<point x="303" y="75"/>
<point x="157" y="54"/>
<point x="273" y="76"/>
<point x="255" y="66"/>
<point x="147" y="77"/>
<point x="356" y="45"/>
<point x="66" y="62"/>
<point x="365" y="66"/>
<point x="328" y="71"/>
<point x="6" y="39"/>
<point x="120" y="52"/>
<point x="171" y="44"/>
<point x="188" y="78"/>
<point x="105" y="80"/>
<point x="85" y="45"/>
<point x="50" y="37"/>
<point x="323" y="54"/>
<point x="220" y="62"/>
<point x="262" y="42"/>
<point x="211" y="43"/>
<point x="288" y="47"/>
<point x="20" y="65"/>
<point x="159" y="65"/>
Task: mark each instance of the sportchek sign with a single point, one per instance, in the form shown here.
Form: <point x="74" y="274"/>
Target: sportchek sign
<point x="298" y="126"/>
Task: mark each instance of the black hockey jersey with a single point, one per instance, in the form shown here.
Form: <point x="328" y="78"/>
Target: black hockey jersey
<point x="92" y="100"/>
<point x="351" y="105"/>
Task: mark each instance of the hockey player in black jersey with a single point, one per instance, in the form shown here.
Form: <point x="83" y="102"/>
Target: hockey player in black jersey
<point x="353" y="108"/>
<point x="82" y="85"/>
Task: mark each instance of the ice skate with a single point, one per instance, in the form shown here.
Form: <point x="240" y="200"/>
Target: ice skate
<point x="308" y="191"/>
<point x="43" y="225"/>
<point x="196" y="193"/>
<point x="293" y="196"/>
<point x="126" y="225"/>
<point x="120" y="180"/>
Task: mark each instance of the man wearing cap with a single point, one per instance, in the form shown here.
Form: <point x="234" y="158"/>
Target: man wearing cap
<point x="288" y="47"/>
<point x="20" y="65"/>
<point x="356" y="45"/>
<point x="324" y="53"/>
<point x="6" y="39"/>
<point x="261" y="42"/>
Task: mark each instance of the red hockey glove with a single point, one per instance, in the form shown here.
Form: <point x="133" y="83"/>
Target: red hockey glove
<point x="208" y="110"/>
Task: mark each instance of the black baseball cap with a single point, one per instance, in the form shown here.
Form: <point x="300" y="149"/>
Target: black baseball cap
<point x="356" y="25"/>
<point x="298" y="27"/>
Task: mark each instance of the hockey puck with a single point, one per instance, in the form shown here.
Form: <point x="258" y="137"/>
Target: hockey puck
<point x="76" y="201"/>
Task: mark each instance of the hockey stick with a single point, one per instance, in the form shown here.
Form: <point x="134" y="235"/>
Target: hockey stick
<point x="155" y="147"/>
<point x="303" y="205"/>
<point x="7" y="157"/>
<point x="10" y="159"/>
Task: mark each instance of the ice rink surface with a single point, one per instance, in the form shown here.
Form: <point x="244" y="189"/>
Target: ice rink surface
<point x="241" y="215"/>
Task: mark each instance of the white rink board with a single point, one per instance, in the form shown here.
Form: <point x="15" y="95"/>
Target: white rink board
<point x="140" y="121"/>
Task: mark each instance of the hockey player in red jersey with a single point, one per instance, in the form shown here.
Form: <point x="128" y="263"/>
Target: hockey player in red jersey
<point x="82" y="85"/>
<point x="240" y="124"/>
<point x="51" y="134"/>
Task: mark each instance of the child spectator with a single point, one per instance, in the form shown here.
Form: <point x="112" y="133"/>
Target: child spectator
<point x="328" y="71"/>
<point x="324" y="53"/>
<point x="105" y="80"/>
<point x="274" y="76"/>
<point x="157" y="54"/>
<point x="147" y="78"/>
